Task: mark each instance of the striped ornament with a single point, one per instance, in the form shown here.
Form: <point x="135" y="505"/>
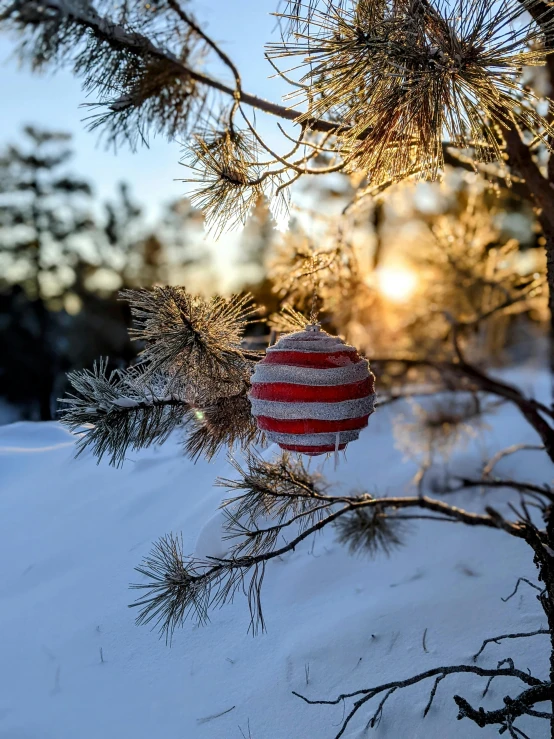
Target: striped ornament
<point x="312" y="393"/>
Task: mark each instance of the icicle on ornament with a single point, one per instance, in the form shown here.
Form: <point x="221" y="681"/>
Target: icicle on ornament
<point x="312" y="393"/>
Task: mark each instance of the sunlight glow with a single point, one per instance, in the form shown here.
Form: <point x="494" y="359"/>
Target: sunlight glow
<point x="396" y="283"/>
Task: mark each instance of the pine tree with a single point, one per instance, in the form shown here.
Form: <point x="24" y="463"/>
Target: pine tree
<point x="40" y="218"/>
<point x="52" y="206"/>
<point x="388" y="90"/>
<point x="58" y="250"/>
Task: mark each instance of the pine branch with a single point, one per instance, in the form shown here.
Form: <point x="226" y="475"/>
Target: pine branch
<point x="276" y="489"/>
<point x="283" y="492"/>
<point x="491" y="464"/>
<point x="368" y="532"/>
<point x="287" y="320"/>
<point x="373" y="66"/>
<point x="496" y="96"/>
<point x="523" y="487"/>
<point x="225" y="58"/>
<point x="289" y="496"/>
<point x="144" y="64"/>
<point x="175" y="592"/>
<point x="533" y="410"/>
<point x="228" y="181"/>
<point x="120" y="58"/>
<point x="225" y="422"/>
<point x="195" y="341"/>
<point x="120" y="411"/>
<point x="26" y="15"/>
<point x="194" y="373"/>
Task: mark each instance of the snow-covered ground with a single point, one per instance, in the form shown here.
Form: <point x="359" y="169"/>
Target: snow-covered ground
<point x="74" y="666"/>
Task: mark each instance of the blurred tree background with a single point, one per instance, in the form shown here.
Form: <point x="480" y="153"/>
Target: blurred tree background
<point x="63" y="258"/>
<point x="405" y="270"/>
<point x="395" y="271"/>
<point x="397" y="275"/>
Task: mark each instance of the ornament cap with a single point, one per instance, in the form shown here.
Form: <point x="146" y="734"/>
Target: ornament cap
<point x="313" y="327"/>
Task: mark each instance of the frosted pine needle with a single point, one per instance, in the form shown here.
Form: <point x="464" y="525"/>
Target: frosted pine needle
<point x="402" y="77"/>
<point x="228" y="181"/>
<point x="195" y="340"/>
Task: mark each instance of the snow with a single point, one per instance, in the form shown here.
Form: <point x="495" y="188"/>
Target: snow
<point x="74" y="665"/>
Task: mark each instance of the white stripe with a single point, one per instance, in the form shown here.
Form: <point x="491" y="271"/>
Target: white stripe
<point x="311" y="336"/>
<point x="307" y="345"/>
<point x="320" y="411"/>
<point x="310" y="375"/>
<point x="312" y="439"/>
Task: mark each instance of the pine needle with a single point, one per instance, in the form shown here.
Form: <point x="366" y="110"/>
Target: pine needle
<point x="403" y="76"/>
<point x="369" y="531"/>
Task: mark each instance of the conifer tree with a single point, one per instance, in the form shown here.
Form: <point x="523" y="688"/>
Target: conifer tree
<point x="43" y="210"/>
<point x="388" y="90"/>
<point x="52" y="206"/>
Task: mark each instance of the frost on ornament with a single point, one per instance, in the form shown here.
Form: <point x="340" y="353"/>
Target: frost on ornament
<point x="312" y="393"/>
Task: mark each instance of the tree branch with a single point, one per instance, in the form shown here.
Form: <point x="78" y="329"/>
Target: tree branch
<point x="522" y="487"/>
<point x="367" y="694"/>
<point x="496" y="639"/>
<point x="533" y="410"/>
<point x="518" y="583"/>
<point x="488" y="468"/>
<point x="514" y="707"/>
<point x="140" y="45"/>
<point x="177" y="586"/>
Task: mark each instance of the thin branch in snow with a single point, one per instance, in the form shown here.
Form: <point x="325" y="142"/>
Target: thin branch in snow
<point x="215" y="715"/>
<point x="375" y="720"/>
<point x="497" y="639"/>
<point x="249" y="732"/>
<point x="535" y="694"/>
<point x="433" y="693"/>
<point x="519" y="581"/>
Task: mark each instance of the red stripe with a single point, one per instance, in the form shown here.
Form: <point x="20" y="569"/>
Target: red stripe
<point x="318" y="360"/>
<point x="311" y="425"/>
<point x="289" y="393"/>
<point x="313" y="451"/>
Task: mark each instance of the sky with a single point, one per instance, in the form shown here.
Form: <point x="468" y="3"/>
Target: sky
<point x="54" y="100"/>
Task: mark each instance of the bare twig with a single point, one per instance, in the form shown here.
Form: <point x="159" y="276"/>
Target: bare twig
<point x="488" y="468"/>
<point x="497" y="639"/>
<point x="215" y="715"/>
<point x="522" y="487"/>
<point x="433" y="693"/>
<point x="375" y="720"/>
<point x="520" y="580"/>
<point x="529" y="697"/>
<point x="513" y="707"/>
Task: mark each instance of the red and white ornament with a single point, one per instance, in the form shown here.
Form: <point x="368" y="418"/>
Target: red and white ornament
<point x="312" y="393"/>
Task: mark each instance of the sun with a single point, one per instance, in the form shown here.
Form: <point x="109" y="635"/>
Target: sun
<point x="396" y="283"/>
